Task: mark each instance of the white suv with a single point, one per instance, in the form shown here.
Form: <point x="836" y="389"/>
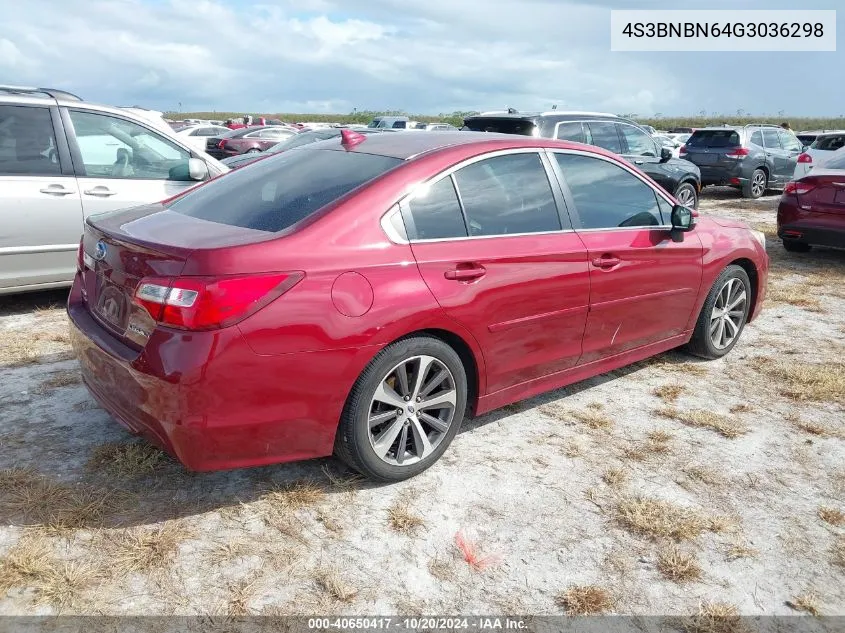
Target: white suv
<point x="63" y="159"/>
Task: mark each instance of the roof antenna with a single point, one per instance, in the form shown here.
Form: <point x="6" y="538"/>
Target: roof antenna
<point x="554" y="107"/>
<point x="350" y="138"/>
<point x="512" y="111"/>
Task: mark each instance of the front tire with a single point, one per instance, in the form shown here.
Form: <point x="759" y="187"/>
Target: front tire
<point x="687" y="195"/>
<point x="723" y="315"/>
<point x="404" y="410"/>
<point x="756" y="185"/>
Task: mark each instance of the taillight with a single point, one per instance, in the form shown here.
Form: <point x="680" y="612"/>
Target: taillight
<point x="206" y="303"/>
<point x="738" y="154"/>
<point x="798" y="188"/>
<point x="221" y="144"/>
<point x="805" y="158"/>
<point x="683" y="151"/>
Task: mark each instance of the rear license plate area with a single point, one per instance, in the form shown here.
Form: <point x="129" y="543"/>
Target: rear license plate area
<point x="112" y="306"/>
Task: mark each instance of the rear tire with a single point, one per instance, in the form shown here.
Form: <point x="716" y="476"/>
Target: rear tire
<point x="756" y="185"/>
<point x="728" y="300"/>
<point x="794" y="246"/>
<point x="386" y="431"/>
<point x="253" y="150"/>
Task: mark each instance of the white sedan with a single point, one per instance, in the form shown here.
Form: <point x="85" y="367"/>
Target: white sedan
<point x="821" y="150"/>
<point x="197" y="135"/>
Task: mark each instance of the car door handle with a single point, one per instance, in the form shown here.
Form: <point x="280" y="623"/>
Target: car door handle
<point x="104" y="192"/>
<point x="56" y="190"/>
<point x="466" y="274"/>
<point x="638" y="162"/>
<point x="606" y="261"/>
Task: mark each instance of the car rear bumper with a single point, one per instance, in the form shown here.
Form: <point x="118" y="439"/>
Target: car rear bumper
<point x="809" y="227"/>
<point x="208" y="399"/>
<point x="722" y="175"/>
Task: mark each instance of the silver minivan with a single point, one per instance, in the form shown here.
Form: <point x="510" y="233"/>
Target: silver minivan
<point x="63" y="159"/>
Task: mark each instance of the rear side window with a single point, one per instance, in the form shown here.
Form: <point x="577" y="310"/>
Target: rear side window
<point x="27" y="143"/>
<point x="829" y="143"/>
<point x="436" y="213"/>
<point x="571" y="131"/>
<point x="605" y="135"/>
<point x="757" y="138"/>
<point x="607" y="196"/>
<point x="276" y="193"/>
<point x="501" y="126"/>
<point x="714" y="138"/>
<point x="507" y="195"/>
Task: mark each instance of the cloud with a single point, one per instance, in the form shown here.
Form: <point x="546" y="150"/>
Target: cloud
<point x="421" y="56"/>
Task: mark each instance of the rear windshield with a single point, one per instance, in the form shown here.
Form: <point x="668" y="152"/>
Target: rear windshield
<point x="829" y="143"/>
<point x="276" y="193"/>
<point x="713" y="138"/>
<point x="501" y="126"/>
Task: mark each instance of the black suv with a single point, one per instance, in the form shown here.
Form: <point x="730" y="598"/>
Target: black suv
<point x="621" y="136"/>
<point x="753" y="157"/>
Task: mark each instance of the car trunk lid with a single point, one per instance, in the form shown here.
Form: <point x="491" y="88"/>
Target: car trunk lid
<point x="822" y="192"/>
<point x="123" y="248"/>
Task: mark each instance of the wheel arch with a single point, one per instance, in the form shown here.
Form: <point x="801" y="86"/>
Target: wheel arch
<point x="753" y="276"/>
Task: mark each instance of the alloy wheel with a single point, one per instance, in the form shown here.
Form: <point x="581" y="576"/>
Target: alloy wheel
<point x="728" y="313"/>
<point x="758" y="184"/>
<point x="686" y="196"/>
<point x="412" y="410"/>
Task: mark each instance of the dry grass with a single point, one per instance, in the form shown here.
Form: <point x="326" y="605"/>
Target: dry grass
<point x="669" y="393"/>
<point x="657" y="443"/>
<point x="724" y="425"/>
<point x="17" y="351"/>
<point x="800" y="296"/>
<point x="615" y="476"/>
<point x="573" y="448"/>
<point x="812" y="427"/>
<point x="839" y="552"/>
<point x="808" y="603"/>
<point x="296" y="496"/>
<point x="832" y="516"/>
<point x="401" y="518"/>
<point x="44" y="503"/>
<point x="716" y="617"/>
<point x="592" y="416"/>
<point x="677" y="565"/>
<point x="654" y="518"/>
<point x="144" y="549"/>
<point x="126" y="460"/>
<point x="738" y="550"/>
<point x="58" y="380"/>
<point x="820" y="382"/>
<point x="240" y="594"/>
<point x="443" y="570"/>
<point x="333" y="586"/>
<point x="62" y="585"/>
<point x="585" y="600"/>
<point x="741" y="408"/>
<point x="28" y="562"/>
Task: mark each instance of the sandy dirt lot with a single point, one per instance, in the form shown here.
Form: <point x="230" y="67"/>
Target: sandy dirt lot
<point x="671" y="487"/>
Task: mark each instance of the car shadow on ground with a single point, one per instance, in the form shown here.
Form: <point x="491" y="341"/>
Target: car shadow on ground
<point x="26" y="303"/>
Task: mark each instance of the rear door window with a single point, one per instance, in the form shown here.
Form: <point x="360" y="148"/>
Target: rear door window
<point x="714" y="139"/>
<point x="604" y="134"/>
<point x="507" y="195"/>
<point x="276" y="193"/>
<point x="770" y="139"/>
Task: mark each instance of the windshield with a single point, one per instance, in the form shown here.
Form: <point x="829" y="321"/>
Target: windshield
<point x="277" y="192"/>
<point x="714" y="138"/>
<point x="829" y="143"/>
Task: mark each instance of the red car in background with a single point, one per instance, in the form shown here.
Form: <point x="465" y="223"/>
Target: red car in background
<point x="812" y="208"/>
<point x="247" y="140"/>
<point x="272" y="315"/>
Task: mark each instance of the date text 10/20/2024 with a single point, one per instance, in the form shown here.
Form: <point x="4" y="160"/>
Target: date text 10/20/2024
<point x="415" y="624"/>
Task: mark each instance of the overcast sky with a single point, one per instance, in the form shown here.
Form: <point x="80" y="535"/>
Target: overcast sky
<point x="426" y="56"/>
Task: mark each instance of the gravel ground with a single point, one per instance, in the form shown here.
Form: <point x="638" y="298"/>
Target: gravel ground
<point x="670" y="487"/>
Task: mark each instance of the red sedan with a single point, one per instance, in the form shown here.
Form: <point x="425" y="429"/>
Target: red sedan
<point x="247" y="140"/>
<point x="812" y="209"/>
<point x="361" y="295"/>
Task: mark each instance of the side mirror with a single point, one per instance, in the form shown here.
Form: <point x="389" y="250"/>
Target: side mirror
<point x="197" y="169"/>
<point x="665" y="154"/>
<point x="682" y="219"/>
